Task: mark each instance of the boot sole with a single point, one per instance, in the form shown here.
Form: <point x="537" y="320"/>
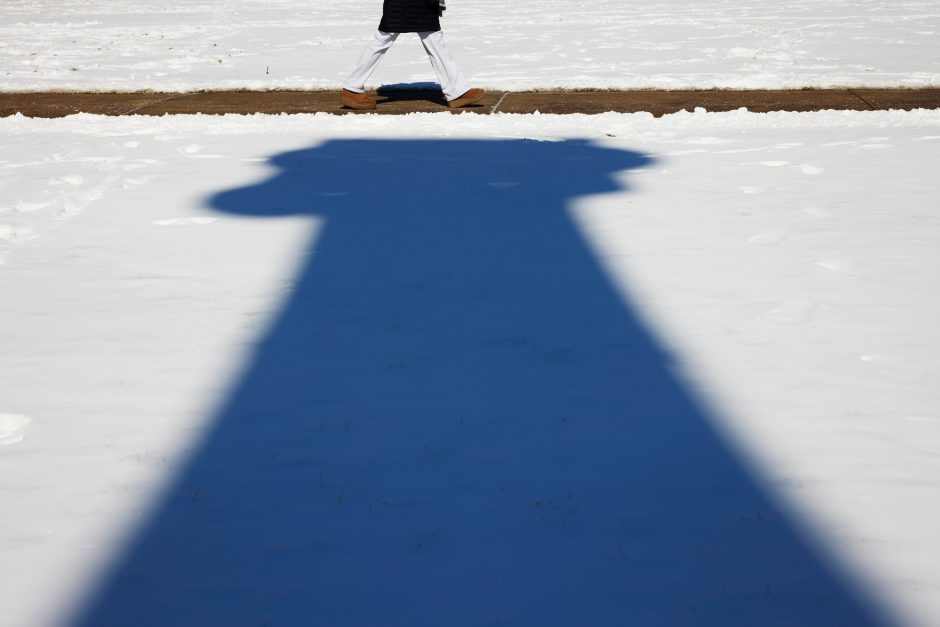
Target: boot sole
<point x="359" y="106"/>
<point x="463" y="102"/>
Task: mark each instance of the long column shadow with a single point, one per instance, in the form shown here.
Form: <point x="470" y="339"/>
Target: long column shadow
<point x="456" y="420"/>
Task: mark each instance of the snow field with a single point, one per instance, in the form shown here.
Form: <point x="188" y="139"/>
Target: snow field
<point x="116" y="45"/>
<point x="787" y="260"/>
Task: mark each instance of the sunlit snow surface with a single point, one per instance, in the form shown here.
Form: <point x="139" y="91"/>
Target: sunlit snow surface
<point x="787" y="261"/>
<point x="174" y="45"/>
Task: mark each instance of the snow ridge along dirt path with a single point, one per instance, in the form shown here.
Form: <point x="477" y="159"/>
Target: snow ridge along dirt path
<point x="403" y="99"/>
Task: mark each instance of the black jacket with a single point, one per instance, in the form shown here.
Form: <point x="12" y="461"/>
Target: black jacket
<point x="410" y="16"/>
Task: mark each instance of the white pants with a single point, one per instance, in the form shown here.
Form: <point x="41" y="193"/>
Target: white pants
<point x="453" y="83"/>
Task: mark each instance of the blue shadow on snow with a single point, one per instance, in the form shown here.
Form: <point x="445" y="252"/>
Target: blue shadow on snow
<point x="456" y="420"/>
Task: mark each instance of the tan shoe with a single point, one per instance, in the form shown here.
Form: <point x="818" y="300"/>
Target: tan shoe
<point x="353" y="100"/>
<point x="474" y="95"/>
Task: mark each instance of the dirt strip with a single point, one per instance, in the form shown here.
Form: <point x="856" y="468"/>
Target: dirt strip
<point x="400" y="101"/>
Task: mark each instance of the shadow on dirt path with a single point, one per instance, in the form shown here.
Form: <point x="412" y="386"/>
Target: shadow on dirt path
<point x="422" y="97"/>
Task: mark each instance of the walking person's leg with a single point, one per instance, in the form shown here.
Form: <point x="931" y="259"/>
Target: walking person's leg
<point x="454" y="84"/>
<point x="354" y="87"/>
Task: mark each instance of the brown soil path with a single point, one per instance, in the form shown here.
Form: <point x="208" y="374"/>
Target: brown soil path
<point x="398" y="101"/>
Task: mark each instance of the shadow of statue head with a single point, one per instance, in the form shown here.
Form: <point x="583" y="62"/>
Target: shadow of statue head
<point x="407" y="175"/>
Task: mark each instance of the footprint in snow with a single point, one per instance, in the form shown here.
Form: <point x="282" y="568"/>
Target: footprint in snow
<point x="69" y="179"/>
<point x="687" y="151"/>
<point x="26" y="207"/>
<point x="13" y="428"/>
<point x="811" y="170"/>
<point x="792" y="312"/>
<point x="128" y="183"/>
<point x="139" y="163"/>
<point x="184" y="221"/>
<point x="818" y="211"/>
<point x="708" y="141"/>
<point x="768" y="238"/>
<point x="10" y="233"/>
<point x="838" y="265"/>
<point x="893" y="367"/>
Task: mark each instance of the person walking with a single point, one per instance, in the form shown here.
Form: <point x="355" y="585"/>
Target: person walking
<point x="410" y="16"/>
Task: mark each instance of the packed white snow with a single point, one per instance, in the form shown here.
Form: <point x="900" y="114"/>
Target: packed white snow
<point x="175" y="45"/>
<point x="789" y="261"/>
<point x="13" y="427"/>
